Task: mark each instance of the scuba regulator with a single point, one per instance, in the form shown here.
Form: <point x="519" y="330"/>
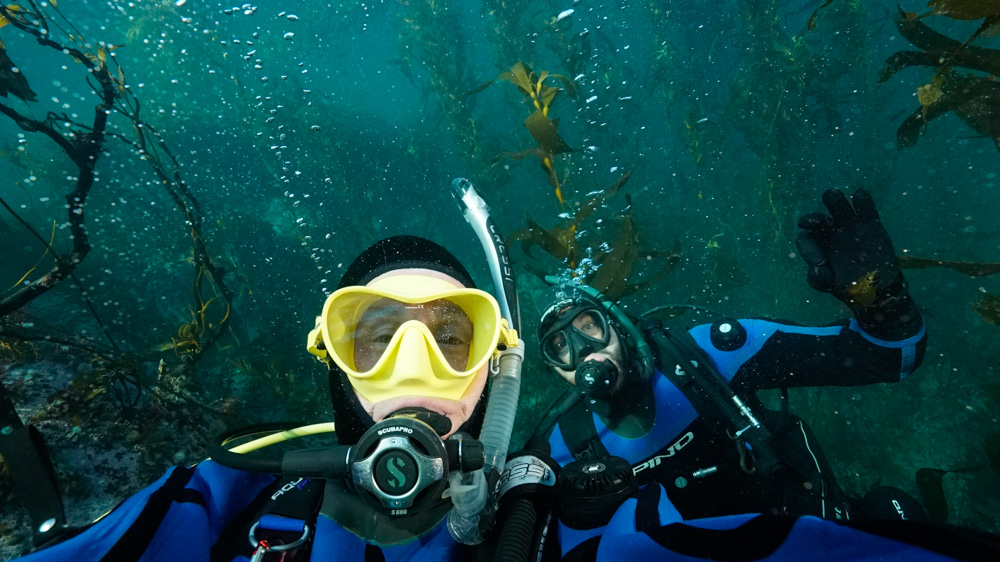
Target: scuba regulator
<point x="400" y="466"/>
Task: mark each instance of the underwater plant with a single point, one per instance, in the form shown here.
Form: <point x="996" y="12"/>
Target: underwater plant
<point x="541" y="127"/>
<point x="84" y="143"/>
<point x="974" y="98"/>
<point x="614" y="267"/>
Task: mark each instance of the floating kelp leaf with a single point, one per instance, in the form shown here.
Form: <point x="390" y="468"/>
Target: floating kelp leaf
<point x="972" y="269"/>
<point x="556" y="242"/>
<point x="618" y="265"/>
<point x="974" y="99"/>
<point x="930" y="93"/>
<point x="12" y="80"/>
<point x="988" y="306"/>
<point x="533" y="86"/>
<point x="543" y="130"/>
<point x="965" y="9"/>
<point x="11" y="8"/>
<point x="596" y="201"/>
<point x="812" y="19"/>
<point x="936" y="48"/>
<point x="862" y="291"/>
<point x="560" y="242"/>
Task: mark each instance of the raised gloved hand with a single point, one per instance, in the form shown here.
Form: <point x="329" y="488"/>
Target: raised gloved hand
<point x="850" y="256"/>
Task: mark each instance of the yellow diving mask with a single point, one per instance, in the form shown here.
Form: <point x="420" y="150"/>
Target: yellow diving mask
<point x="409" y="335"/>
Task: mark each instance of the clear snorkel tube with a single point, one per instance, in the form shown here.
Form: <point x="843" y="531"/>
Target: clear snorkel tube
<point x="469" y="491"/>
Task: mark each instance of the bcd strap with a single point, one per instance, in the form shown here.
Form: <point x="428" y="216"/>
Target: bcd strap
<point x="28" y="462"/>
<point x="291" y="498"/>
<point x="580" y="433"/>
<point x="134" y="541"/>
<point x="689" y="368"/>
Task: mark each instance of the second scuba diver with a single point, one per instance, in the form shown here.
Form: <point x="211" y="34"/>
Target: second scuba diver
<point x="680" y="406"/>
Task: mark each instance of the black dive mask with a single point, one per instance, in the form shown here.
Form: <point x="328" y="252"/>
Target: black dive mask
<point x="580" y="331"/>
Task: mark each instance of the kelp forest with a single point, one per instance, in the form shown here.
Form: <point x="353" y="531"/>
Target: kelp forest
<point x="183" y="183"/>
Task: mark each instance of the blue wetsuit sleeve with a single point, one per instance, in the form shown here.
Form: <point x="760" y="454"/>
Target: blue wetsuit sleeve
<point x="648" y="527"/>
<point x="178" y="517"/>
<point x="782" y="354"/>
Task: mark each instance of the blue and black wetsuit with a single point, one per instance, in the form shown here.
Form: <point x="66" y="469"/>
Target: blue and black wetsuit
<point x="706" y="474"/>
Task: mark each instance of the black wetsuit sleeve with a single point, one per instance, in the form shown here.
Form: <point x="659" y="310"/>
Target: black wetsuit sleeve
<point x="782" y="354"/>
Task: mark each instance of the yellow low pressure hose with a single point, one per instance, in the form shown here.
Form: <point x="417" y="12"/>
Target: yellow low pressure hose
<point x="281" y="436"/>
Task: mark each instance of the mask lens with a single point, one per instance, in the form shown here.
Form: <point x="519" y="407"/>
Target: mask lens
<point x="586" y="333"/>
<point x="591" y="325"/>
<point x="556" y="350"/>
<point x="447" y="321"/>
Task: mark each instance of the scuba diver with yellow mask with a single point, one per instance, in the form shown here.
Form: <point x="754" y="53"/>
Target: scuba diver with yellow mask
<point x="424" y="374"/>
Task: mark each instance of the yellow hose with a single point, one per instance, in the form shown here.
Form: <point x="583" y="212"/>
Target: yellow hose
<point x="269" y="440"/>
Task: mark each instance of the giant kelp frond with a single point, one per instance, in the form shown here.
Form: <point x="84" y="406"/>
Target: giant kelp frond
<point x="539" y="125"/>
<point x="534" y="86"/>
<point x="964" y="9"/>
<point x="12" y="80"/>
<point x="973" y="98"/>
<point x="988" y="307"/>
<point x="560" y="241"/>
<point x="619" y="264"/>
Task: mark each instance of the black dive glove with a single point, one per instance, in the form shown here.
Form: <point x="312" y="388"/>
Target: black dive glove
<point x="850" y="256"/>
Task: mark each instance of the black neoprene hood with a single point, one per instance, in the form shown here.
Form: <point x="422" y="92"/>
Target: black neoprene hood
<point x="390" y="254"/>
<point x="403" y="252"/>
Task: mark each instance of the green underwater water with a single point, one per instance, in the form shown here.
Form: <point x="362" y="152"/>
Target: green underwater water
<point x="305" y="131"/>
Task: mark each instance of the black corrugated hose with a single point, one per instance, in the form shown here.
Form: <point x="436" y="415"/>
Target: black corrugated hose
<point x="517" y="539"/>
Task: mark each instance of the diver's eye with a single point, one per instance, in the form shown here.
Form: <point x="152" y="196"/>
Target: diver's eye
<point x="383" y="338"/>
<point x="587" y="325"/>
<point x="559" y="349"/>
<point x="449" y="339"/>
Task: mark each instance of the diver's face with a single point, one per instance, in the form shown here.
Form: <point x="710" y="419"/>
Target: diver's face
<point x="612" y="352"/>
<point x="459" y="330"/>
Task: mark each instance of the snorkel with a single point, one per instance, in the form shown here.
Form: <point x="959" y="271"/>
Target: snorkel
<point x="469" y="491"/>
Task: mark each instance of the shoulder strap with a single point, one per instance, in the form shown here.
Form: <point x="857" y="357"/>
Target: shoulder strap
<point x="580" y="433"/>
<point x="690" y="369"/>
<point x="134" y="541"/>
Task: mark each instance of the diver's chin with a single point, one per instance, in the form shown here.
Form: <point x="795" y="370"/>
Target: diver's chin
<point x="451" y="409"/>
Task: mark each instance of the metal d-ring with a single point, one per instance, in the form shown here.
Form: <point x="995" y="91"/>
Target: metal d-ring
<point x="280" y="547"/>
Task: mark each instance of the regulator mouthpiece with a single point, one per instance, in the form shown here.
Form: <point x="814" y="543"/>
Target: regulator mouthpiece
<point x="599" y="380"/>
